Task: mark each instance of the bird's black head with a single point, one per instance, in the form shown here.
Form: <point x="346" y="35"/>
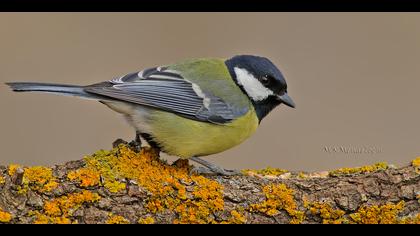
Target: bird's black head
<point x="261" y="81"/>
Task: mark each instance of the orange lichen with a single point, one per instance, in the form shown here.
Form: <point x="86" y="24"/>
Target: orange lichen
<point x="87" y="177"/>
<point x="116" y="219"/>
<point x="207" y="199"/>
<point x="194" y="198"/>
<point x="66" y="205"/>
<point x="359" y="170"/>
<point x="266" y="171"/>
<point x="5" y="217"/>
<point x="383" y="214"/>
<point x="328" y="214"/>
<point x="278" y="197"/>
<point x="166" y="184"/>
<point x="148" y="220"/>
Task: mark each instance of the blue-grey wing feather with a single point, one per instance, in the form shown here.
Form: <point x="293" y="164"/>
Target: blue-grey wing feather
<point x="167" y="90"/>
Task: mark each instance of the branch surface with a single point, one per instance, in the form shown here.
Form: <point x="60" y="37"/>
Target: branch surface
<point x="126" y="186"/>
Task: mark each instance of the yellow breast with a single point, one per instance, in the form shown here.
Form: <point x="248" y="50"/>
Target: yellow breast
<point x="187" y="138"/>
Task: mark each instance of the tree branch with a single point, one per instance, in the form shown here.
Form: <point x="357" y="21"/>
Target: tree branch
<point x="125" y="186"/>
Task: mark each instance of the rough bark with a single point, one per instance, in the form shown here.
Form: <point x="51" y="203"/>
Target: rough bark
<point x="388" y="195"/>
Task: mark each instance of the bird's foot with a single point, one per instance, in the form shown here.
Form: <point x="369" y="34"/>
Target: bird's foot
<point x="209" y="168"/>
<point x="200" y="170"/>
<point x="119" y="141"/>
<point x="181" y="163"/>
<point x="155" y="150"/>
<point x="136" y="143"/>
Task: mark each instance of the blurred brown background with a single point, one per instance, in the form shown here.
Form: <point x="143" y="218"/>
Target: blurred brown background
<point x="354" y="76"/>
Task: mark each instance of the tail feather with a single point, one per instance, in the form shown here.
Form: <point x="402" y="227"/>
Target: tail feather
<point x="60" y="89"/>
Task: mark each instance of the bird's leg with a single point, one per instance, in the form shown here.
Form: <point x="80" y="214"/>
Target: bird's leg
<point x="136" y="143"/>
<point x="138" y="139"/>
<point x="212" y="168"/>
<point x="181" y="163"/>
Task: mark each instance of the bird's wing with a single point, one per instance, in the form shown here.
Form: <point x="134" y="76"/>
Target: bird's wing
<point x="167" y="90"/>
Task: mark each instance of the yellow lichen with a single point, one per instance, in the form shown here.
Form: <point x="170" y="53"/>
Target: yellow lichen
<point x="148" y="220"/>
<point x="326" y="212"/>
<point x="166" y="184"/>
<point x="41" y="219"/>
<point x="410" y="220"/>
<point x="116" y="219"/>
<point x="266" y="171"/>
<point x="279" y="197"/>
<point x="87" y="177"/>
<point x="102" y="164"/>
<point x="5" y="217"/>
<point x="383" y="214"/>
<point x="12" y="169"/>
<point x="44" y="219"/>
<point x="237" y="218"/>
<point x="57" y="211"/>
<point x="50" y="186"/>
<point x="194" y="198"/>
<point x="416" y="164"/>
<point x="302" y="175"/>
<point x="2" y="180"/>
<point x="37" y="178"/>
<point x="359" y="170"/>
<point x="115" y="186"/>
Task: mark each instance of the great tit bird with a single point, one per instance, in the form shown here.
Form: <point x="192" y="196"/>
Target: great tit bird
<point x="189" y="109"/>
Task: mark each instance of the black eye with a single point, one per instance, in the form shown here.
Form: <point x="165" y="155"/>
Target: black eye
<point x="266" y="80"/>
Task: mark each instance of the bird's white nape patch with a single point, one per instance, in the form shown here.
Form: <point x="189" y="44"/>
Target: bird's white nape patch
<point x="251" y="85"/>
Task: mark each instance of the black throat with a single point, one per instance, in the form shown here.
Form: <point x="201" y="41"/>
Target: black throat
<point x="262" y="108"/>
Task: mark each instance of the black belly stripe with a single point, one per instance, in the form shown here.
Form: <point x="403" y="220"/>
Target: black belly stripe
<point x="150" y="140"/>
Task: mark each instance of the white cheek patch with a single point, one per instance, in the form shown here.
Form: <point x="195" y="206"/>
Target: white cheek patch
<point x="252" y="85"/>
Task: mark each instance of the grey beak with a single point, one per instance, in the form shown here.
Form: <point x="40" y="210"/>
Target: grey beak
<point x="287" y="100"/>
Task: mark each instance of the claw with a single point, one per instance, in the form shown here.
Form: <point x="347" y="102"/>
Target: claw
<point x="212" y="169"/>
<point x="136" y="143"/>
